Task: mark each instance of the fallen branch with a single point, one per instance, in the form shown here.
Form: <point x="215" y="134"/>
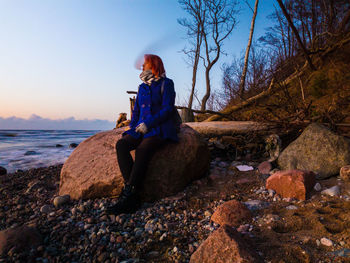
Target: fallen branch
<point x="201" y="111"/>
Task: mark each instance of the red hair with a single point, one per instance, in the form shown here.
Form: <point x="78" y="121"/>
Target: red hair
<point x="156" y="64"/>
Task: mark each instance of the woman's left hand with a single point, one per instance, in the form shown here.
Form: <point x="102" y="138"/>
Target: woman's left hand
<point x="141" y="128"/>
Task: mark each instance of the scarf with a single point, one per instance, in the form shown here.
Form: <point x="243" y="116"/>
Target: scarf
<point x="147" y="77"/>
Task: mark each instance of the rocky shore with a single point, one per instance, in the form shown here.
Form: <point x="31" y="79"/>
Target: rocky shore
<point x="171" y="229"/>
<point x="231" y="208"/>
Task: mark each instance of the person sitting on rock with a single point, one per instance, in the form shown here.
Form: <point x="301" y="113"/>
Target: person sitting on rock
<point x="151" y="127"/>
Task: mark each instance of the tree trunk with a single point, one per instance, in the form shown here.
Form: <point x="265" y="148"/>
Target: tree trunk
<point x="295" y="31"/>
<point x="207" y="94"/>
<point x="246" y="58"/>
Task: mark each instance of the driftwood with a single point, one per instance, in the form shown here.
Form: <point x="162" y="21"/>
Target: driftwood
<point x="201" y="111"/>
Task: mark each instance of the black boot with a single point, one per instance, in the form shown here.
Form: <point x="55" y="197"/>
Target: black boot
<point x="128" y="202"/>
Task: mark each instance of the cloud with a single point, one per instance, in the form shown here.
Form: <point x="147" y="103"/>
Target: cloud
<point x="35" y="122"/>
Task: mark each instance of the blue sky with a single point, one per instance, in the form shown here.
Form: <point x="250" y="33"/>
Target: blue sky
<point x="75" y="58"/>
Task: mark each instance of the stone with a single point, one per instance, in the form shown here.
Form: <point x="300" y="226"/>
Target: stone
<point x="73" y="145"/>
<point x="224" y="245"/>
<point x="293" y="183"/>
<point x="232" y="213"/>
<point x="21" y="239"/>
<point x="317" y="187"/>
<point x="317" y="149"/>
<point x="60" y="200"/>
<point x="265" y="167"/>
<point x="344" y="173"/>
<point x="3" y="171"/>
<point x="45" y="209"/>
<point x="253" y="205"/>
<point x="92" y="171"/>
<point x="333" y="191"/>
<point x="326" y="242"/>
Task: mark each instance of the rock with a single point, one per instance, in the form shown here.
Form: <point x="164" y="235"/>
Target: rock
<point x="326" y="242"/>
<point x="232" y="213"/>
<point x="3" y="171"/>
<point x="273" y="146"/>
<point x="244" y="168"/>
<point x="265" y="167"/>
<point x="317" y="187"/>
<point x="45" y="209"/>
<point x="21" y="239"/>
<point x="73" y="145"/>
<point x="60" y="200"/>
<point x="30" y="153"/>
<point x="333" y="191"/>
<point x="293" y="183"/>
<point x="253" y="205"/>
<point x="224" y="245"/>
<point x="317" y="149"/>
<point x="344" y="173"/>
<point x="59" y="145"/>
<point x="92" y="169"/>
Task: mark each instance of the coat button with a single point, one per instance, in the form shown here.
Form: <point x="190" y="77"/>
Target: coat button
<point x="143" y="105"/>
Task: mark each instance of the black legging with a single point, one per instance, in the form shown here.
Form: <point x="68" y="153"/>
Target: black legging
<point x="133" y="173"/>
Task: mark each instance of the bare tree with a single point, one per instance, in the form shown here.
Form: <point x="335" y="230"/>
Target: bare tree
<point x="246" y="58"/>
<point x="295" y="31"/>
<point x="196" y="10"/>
<point x="217" y="26"/>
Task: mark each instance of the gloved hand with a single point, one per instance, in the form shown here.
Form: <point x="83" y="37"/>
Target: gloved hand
<point x="141" y="128"/>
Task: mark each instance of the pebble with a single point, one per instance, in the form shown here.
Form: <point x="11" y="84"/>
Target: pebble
<point x="326" y="242"/>
<point x="291" y="207"/>
<point x="271" y="192"/>
<point x="60" y="200"/>
<point x="333" y="191"/>
<point x="45" y="209"/>
<point x="255" y="204"/>
<point x="318" y="187"/>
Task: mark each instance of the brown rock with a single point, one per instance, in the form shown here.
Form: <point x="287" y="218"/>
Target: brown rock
<point x="232" y="213"/>
<point x="345" y="173"/>
<point x="292" y="183"/>
<point x="19" y="239"/>
<point x="92" y="169"/>
<point x="225" y="245"/>
<point x="265" y="167"/>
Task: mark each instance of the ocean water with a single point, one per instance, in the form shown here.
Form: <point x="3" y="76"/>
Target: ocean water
<point x="25" y="149"/>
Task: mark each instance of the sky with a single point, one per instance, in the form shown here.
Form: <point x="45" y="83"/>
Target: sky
<point x="73" y="60"/>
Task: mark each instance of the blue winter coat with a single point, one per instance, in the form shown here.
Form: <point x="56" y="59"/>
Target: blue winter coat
<point x="154" y="110"/>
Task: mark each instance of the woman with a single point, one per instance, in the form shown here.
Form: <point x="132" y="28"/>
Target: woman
<point x="150" y="127"/>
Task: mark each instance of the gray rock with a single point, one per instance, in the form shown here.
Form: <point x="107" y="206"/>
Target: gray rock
<point x="317" y="149"/>
<point x="318" y="187"/>
<point x="60" y="200"/>
<point x="333" y="191"/>
<point x="256" y="204"/>
<point x="45" y="209"/>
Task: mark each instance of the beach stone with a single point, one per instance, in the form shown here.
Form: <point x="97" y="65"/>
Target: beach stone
<point x="92" y="169"/>
<point x="293" y="183"/>
<point x="231" y="213"/>
<point x="317" y="187"/>
<point x="60" y="200"/>
<point x="253" y="205"/>
<point x="21" y="238"/>
<point x="333" y="191"/>
<point x="224" y="245"/>
<point x="3" y="171"/>
<point x="45" y="209"/>
<point x="317" y="149"/>
<point x="344" y="173"/>
<point x="73" y="145"/>
<point x="326" y="242"/>
<point x="265" y="167"/>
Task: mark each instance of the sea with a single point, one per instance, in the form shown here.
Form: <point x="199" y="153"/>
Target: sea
<point x="25" y="149"/>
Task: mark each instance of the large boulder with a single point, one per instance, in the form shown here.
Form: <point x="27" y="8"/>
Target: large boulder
<point x="92" y="169"/>
<point x="224" y="245"/>
<point x="317" y="149"/>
